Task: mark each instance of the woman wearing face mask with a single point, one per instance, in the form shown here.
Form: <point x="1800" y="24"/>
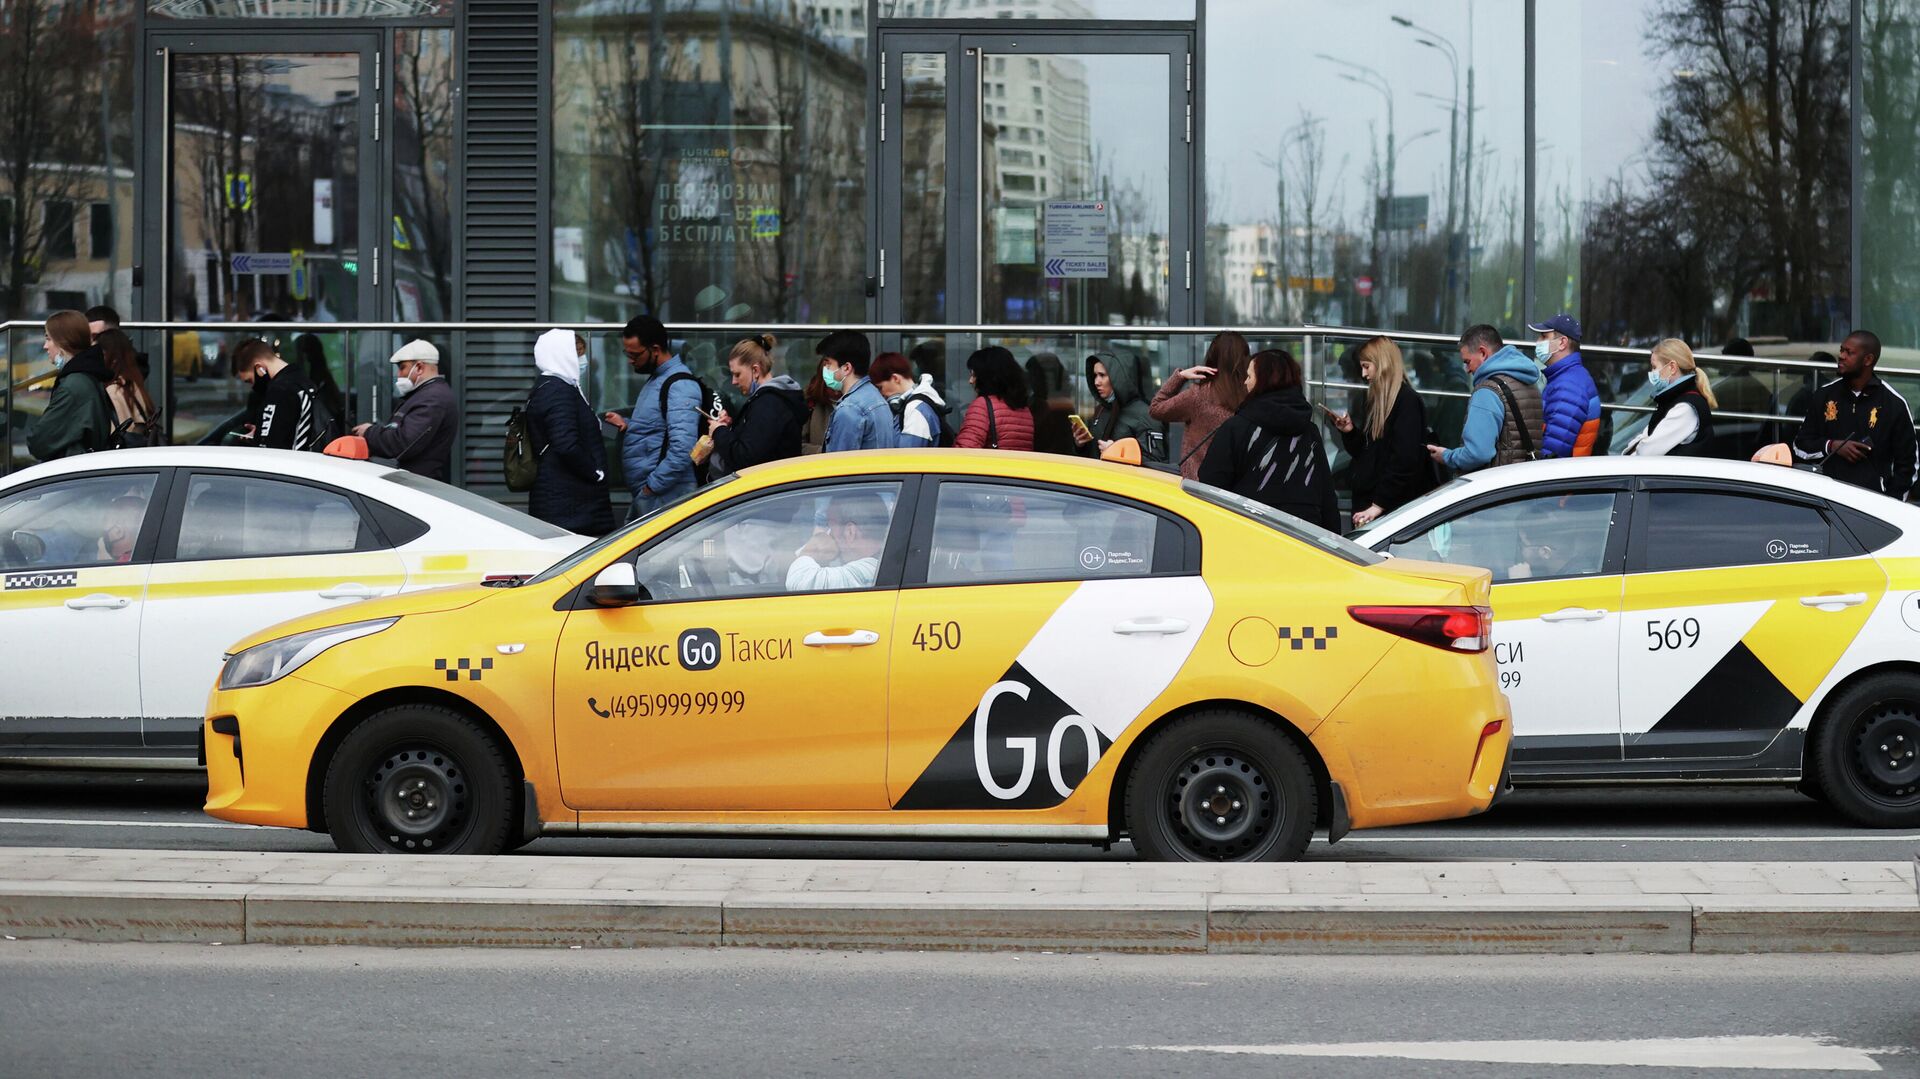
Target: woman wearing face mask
<point x="821" y="396"/>
<point x="570" y="487"/>
<point x="79" y="416"/>
<point x="1683" y="404"/>
<point x="768" y="427"/>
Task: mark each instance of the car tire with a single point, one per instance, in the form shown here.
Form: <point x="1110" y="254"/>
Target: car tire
<point x="1870" y="785"/>
<point x="418" y="779"/>
<point x="1261" y="807"/>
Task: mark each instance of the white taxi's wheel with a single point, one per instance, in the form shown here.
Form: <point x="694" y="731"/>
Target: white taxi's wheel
<point x="1866" y="752"/>
<point x="1220" y="787"/>
<point x="417" y="779"/>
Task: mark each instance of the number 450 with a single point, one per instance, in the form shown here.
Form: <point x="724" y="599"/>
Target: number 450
<point x="1673" y="634"/>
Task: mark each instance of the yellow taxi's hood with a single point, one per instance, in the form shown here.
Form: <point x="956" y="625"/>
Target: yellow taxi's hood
<point x="427" y="601"/>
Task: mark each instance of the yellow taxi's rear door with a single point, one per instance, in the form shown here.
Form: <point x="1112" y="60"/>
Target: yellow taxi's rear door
<point x="1038" y="622"/>
<point x="1739" y="601"/>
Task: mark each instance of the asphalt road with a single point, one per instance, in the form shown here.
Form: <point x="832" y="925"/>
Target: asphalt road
<point x="162" y="811"/>
<point x="243" y="1011"/>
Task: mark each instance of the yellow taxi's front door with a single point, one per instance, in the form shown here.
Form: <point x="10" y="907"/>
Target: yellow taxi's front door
<point x="753" y="674"/>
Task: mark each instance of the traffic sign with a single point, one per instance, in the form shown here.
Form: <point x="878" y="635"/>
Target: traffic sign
<point x="1363" y="285"/>
<point x="263" y="262"/>
<point x="239" y="191"/>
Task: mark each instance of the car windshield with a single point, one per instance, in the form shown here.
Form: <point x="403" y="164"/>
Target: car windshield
<point x="618" y="535"/>
<point x="1286" y="524"/>
<point x="485" y="507"/>
<point x="1388" y="523"/>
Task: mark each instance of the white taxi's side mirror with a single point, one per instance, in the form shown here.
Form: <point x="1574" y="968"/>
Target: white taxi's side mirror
<point x="615" y="586"/>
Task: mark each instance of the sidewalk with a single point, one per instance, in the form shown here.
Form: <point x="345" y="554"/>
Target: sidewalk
<point x="1299" y="908"/>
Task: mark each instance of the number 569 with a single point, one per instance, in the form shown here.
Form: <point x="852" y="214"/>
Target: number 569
<point x="1673" y="634"/>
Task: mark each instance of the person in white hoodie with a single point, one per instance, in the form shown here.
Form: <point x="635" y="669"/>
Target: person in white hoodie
<point x="570" y="488"/>
<point x="917" y="407"/>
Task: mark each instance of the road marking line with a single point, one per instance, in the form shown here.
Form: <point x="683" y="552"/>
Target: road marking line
<point x="126" y="823"/>
<point x="1850" y="837"/>
<point x="1769" y="1052"/>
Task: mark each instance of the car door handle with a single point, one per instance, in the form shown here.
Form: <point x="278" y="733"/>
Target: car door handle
<point x="1834" y="603"/>
<point x="1574" y="614"/>
<point x="99" y="601"/>
<point x="858" y="638"/>
<point x="1135" y="627"/>
<point x="349" y="591"/>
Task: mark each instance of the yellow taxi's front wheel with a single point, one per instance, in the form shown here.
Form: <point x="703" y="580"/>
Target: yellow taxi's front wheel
<point x="1220" y="787"/>
<point x="417" y="779"/>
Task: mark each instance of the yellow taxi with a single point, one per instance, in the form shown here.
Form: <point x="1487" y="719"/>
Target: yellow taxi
<point x="904" y="644"/>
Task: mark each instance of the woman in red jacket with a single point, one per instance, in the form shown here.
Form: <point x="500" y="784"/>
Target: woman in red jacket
<point x="998" y="418"/>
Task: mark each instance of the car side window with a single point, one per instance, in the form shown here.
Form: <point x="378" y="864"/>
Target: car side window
<point x="81" y="522"/>
<point x="1545" y="537"/>
<point x="816" y="539"/>
<point x="1702" y="529"/>
<point x="988" y="533"/>
<point x="248" y="517"/>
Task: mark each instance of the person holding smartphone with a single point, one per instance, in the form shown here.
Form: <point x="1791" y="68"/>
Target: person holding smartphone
<point x="1115" y="381"/>
<point x="1389" y="445"/>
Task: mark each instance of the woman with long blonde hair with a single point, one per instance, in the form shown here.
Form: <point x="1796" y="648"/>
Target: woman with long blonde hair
<point x="1683" y="404"/>
<point x="1389" y="446"/>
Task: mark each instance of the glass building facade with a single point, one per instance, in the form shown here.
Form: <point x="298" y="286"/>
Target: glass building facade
<point x="1658" y="168"/>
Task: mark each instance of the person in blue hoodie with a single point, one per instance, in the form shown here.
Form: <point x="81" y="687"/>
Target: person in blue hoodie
<point x="1505" y="417"/>
<point x="656" y="444"/>
<point x="1571" y="400"/>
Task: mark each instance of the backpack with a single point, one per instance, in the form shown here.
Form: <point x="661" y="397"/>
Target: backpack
<point x="521" y="461"/>
<point x="942" y="437"/>
<point x="325" y="425"/>
<point x="709" y="404"/>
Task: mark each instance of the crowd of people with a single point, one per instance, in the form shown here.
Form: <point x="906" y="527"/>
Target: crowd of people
<point x="1245" y="419"/>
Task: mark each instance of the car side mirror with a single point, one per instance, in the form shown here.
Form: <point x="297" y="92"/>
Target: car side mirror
<point x="616" y="586"/>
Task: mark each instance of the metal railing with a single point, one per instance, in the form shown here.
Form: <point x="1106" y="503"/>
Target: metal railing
<point x="362" y="348"/>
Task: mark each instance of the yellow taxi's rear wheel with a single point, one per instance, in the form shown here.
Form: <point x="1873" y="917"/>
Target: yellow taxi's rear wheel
<point x="1220" y="787"/>
<point x="1866" y="752"/>
<point x="417" y="779"/>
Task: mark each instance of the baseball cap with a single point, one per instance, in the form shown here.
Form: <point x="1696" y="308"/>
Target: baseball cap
<point x="417" y="352"/>
<point x="1565" y="325"/>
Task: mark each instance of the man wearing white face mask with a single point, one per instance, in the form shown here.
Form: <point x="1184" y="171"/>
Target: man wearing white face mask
<point x="419" y="436"/>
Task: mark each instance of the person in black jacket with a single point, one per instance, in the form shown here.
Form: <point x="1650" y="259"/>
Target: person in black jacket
<point x="570" y="487"/>
<point x="770" y="421"/>
<point x="1270" y="450"/>
<point x="1389" y="444"/>
<point x="288" y="414"/>
<point x="1859" y="429"/>
<point x="419" y="435"/>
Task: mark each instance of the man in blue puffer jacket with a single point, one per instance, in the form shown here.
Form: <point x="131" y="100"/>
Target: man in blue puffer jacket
<point x="1572" y="400"/>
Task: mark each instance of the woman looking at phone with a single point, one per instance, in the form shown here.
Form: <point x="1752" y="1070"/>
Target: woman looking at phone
<point x="1203" y="398"/>
<point x="1389" y="445"/>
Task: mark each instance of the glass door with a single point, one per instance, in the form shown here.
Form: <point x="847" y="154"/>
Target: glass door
<point x="1036" y="178"/>
<point x="256" y="205"/>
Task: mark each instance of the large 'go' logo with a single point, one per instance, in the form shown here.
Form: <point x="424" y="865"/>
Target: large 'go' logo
<point x="1028" y="747"/>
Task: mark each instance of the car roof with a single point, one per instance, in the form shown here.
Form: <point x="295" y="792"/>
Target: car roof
<point x="1010" y="464"/>
<point x="303" y="465"/>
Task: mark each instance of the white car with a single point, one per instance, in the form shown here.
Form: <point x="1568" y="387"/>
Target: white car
<point x="124" y="576"/>
<point x="1693" y="619"/>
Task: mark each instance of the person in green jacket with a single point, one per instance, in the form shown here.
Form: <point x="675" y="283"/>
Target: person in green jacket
<point x="79" y="418"/>
<point x="1123" y="406"/>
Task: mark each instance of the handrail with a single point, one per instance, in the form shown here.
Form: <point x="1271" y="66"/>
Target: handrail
<point x="809" y="329"/>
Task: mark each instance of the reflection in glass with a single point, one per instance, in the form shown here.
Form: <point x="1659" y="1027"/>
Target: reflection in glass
<point x="923" y="196"/>
<point x="1890" y="150"/>
<point x="298" y="9"/>
<point x="1693" y="171"/>
<point x="265" y="152"/>
<point x="423" y="120"/>
<point x="709" y="162"/>
<point x="1074" y="179"/>
<point x="1381" y="184"/>
<point x="1117" y="10"/>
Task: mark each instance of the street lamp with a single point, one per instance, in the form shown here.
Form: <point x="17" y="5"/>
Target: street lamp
<point x="1366" y="76"/>
<point x="1278" y="163"/>
<point x="1436" y="40"/>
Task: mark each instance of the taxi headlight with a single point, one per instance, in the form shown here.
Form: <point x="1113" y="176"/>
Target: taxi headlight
<point x="264" y="663"/>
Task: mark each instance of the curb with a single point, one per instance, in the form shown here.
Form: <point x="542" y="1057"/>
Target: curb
<point x="1162" y="922"/>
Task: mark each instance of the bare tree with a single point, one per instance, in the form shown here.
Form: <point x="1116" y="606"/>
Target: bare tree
<point x="50" y="130"/>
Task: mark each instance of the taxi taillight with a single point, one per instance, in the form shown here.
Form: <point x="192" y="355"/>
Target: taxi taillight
<point x="1456" y="629"/>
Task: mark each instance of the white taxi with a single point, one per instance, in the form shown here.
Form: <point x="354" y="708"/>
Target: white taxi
<point x="1691" y="619"/>
<point x="125" y="576"/>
